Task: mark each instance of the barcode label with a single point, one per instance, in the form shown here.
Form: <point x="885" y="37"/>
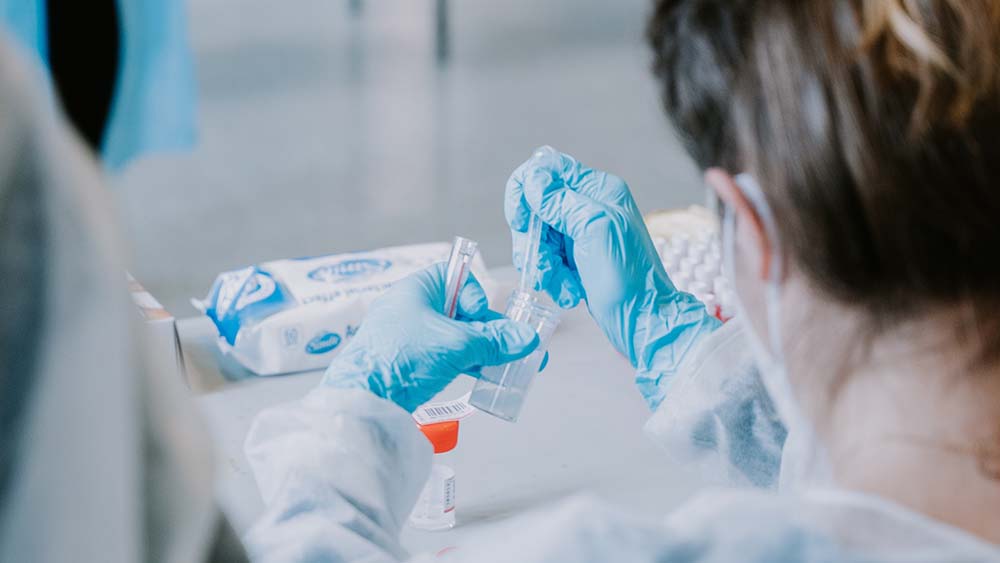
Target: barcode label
<point x="432" y="413"/>
<point x="445" y="410"/>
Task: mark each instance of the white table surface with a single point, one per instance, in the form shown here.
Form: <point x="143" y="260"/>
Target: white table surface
<point x="580" y="431"/>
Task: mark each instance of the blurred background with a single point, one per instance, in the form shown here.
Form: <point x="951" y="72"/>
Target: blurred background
<point x="334" y="125"/>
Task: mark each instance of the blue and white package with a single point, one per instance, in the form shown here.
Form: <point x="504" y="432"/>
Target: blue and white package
<point x="295" y="315"/>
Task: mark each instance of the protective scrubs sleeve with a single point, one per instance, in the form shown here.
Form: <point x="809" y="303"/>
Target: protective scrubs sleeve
<point x="339" y="472"/>
<point x="717" y="414"/>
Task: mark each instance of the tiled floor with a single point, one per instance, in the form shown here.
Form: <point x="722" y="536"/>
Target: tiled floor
<point x="325" y="133"/>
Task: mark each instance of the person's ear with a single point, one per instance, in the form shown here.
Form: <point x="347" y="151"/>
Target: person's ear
<point x="750" y="228"/>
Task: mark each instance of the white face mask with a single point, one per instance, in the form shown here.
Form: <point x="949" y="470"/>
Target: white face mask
<point x="803" y="460"/>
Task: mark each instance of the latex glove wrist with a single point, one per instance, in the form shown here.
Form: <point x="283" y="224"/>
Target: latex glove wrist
<point x="407" y="351"/>
<point x="672" y="326"/>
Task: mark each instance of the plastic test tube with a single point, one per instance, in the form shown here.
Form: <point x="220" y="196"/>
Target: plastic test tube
<point x="529" y="263"/>
<point x="501" y="390"/>
<point x="463" y="251"/>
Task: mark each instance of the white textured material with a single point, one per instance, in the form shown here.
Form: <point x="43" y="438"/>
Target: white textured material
<point x="688" y="244"/>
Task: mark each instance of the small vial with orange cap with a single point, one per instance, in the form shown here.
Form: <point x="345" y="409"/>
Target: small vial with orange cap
<point x="435" y="509"/>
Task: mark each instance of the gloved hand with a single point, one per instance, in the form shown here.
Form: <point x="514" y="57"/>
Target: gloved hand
<point x="595" y="247"/>
<point x="407" y="351"/>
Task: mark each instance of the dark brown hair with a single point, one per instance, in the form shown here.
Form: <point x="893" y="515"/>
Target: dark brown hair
<point x="873" y="127"/>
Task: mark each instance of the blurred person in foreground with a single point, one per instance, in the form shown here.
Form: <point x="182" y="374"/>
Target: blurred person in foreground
<point x="855" y="398"/>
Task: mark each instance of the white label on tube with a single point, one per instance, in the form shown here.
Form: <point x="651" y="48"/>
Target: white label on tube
<point x="433" y="413"/>
<point x="449" y="494"/>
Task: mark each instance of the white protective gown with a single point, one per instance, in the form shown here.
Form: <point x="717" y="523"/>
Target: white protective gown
<point x="340" y="470"/>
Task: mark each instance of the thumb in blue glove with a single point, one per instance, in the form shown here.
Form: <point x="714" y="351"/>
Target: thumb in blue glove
<point x="407" y="351"/>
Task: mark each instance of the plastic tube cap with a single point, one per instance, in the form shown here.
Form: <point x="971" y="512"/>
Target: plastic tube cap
<point x="442" y="435"/>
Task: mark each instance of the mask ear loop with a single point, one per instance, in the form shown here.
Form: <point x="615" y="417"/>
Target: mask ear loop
<point x="804" y="462"/>
<point x="728" y="240"/>
<point x="752" y="191"/>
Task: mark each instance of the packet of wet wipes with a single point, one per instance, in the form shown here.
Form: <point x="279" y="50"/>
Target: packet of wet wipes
<point x="294" y="315"/>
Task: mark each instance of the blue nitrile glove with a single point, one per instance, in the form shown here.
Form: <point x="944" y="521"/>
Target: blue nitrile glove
<point x="407" y="351"/>
<point x="596" y="248"/>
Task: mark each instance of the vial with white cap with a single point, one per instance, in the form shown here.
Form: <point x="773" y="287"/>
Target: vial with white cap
<point x="704" y="273"/>
<point x="680" y="241"/>
<point x="662" y="245"/>
<point x="699" y="289"/>
<point x="687" y="265"/>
